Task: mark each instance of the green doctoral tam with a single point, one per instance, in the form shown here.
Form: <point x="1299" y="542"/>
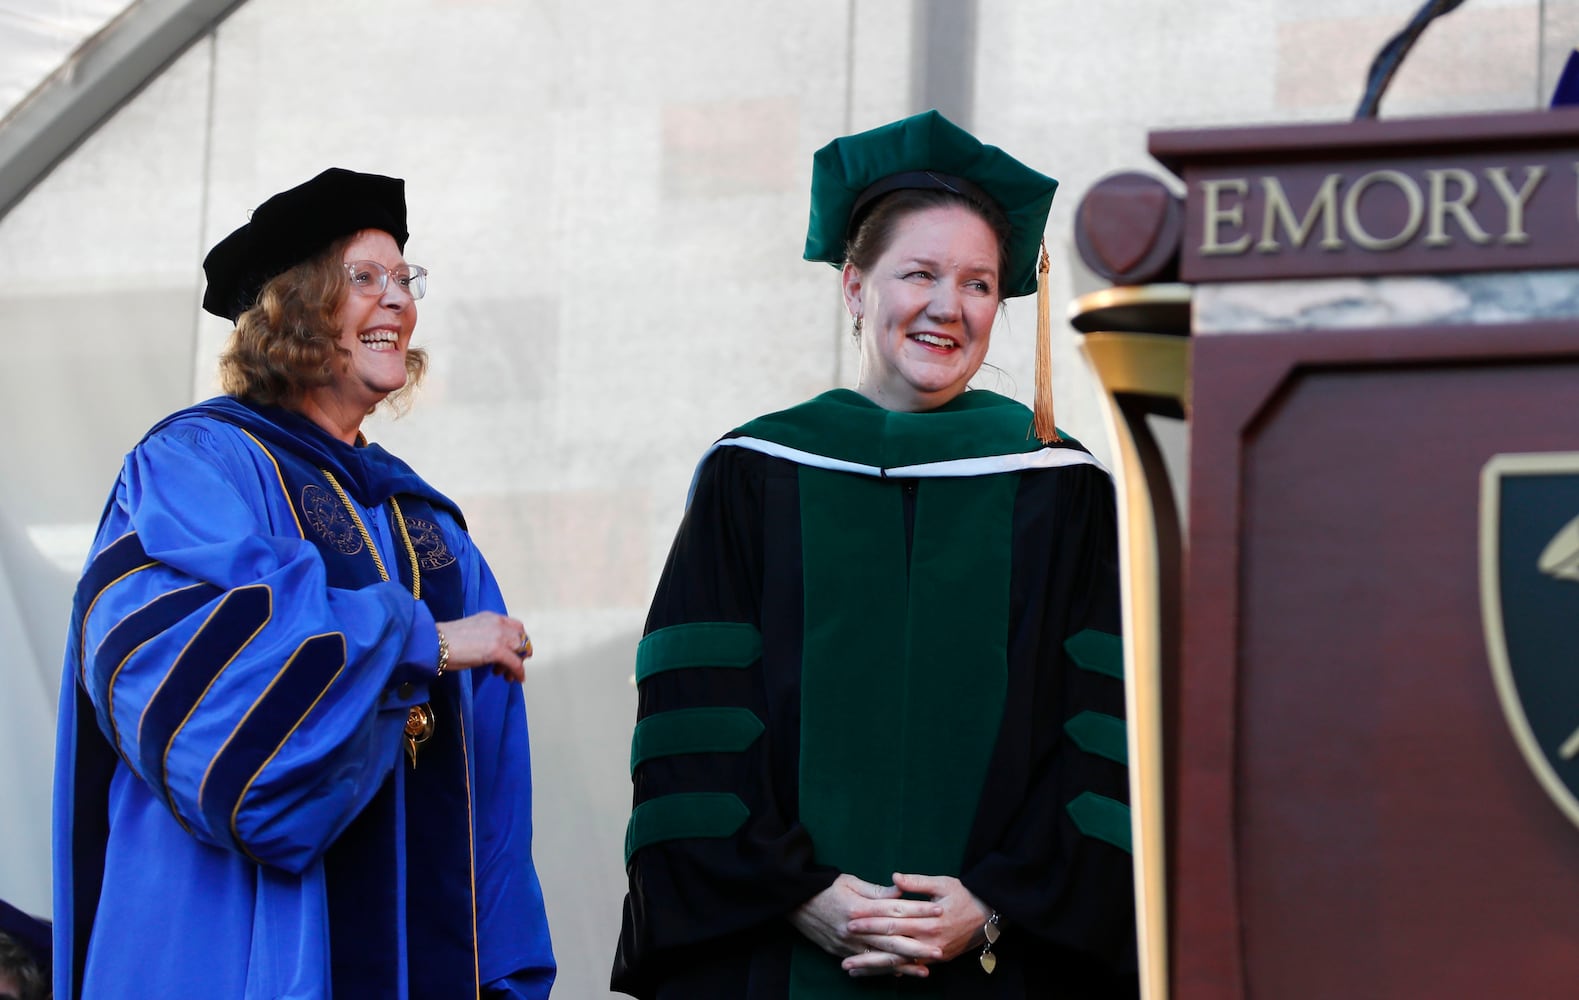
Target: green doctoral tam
<point x="930" y="152"/>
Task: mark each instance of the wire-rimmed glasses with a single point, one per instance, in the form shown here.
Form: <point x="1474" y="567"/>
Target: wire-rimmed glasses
<point x="369" y="277"/>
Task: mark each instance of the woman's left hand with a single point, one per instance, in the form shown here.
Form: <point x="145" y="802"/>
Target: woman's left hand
<point x="488" y="639"/>
<point x="955" y="932"/>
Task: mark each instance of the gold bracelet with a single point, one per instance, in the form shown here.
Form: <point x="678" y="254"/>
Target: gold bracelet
<point x="444" y="651"/>
<point x="988" y="960"/>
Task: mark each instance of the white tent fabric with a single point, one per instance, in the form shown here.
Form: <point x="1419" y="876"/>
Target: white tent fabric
<point x="34" y="600"/>
<point x="38" y="39"/>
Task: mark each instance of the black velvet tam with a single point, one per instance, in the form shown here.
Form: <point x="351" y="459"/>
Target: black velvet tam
<point x="32" y="933"/>
<point x="294" y="225"/>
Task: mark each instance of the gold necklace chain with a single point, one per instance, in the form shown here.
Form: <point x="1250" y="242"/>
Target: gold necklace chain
<point x="420" y="719"/>
<point x="411" y="550"/>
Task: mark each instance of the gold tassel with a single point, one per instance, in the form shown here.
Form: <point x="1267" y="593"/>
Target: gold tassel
<point x="1046" y="430"/>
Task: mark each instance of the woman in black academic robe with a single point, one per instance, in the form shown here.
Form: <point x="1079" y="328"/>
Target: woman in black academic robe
<point x="880" y="746"/>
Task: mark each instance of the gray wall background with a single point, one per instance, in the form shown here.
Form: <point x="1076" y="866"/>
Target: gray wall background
<point x="611" y="195"/>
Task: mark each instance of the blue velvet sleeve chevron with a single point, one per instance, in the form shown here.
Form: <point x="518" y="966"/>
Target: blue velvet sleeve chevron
<point x="260" y="705"/>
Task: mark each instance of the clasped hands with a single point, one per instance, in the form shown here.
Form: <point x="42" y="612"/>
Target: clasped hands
<point x="880" y="933"/>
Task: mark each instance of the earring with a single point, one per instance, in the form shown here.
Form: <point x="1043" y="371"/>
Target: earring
<point x="855" y="331"/>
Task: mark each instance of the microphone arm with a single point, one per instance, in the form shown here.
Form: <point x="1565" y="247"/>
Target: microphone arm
<point x="1392" y="54"/>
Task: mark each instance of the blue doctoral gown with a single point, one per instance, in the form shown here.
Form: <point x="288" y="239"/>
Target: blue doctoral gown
<point x="235" y="815"/>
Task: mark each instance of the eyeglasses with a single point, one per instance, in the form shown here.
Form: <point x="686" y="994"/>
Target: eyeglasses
<point x="369" y="277"/>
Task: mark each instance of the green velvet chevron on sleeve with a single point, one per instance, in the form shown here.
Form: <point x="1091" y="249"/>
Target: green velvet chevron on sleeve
<point x="698" y="644"/>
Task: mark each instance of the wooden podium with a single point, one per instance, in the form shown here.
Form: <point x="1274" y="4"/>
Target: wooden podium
<point x="1348" y="783"/>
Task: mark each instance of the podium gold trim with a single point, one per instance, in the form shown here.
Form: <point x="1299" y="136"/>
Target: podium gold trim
<point x="1142" y="374"/>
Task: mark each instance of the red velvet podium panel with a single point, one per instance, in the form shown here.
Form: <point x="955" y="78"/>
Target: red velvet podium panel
<point x="1350" y="814"/>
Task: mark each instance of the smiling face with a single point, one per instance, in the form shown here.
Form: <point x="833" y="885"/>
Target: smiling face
<point x="376" y="329"/>
<point x="374" y="333"/>
<point x="926" y="307"/>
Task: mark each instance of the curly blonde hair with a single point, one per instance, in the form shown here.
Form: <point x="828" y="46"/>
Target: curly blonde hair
<point x="287" y="344"/>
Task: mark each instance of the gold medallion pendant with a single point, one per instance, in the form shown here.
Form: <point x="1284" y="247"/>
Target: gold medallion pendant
<point x="419" y="728"/>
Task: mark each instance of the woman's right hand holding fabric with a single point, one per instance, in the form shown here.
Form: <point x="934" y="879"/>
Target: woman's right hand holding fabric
<point x="825" y="920"/>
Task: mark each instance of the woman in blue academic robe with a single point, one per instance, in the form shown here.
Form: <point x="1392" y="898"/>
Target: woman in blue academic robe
<point x="279" y="771"/>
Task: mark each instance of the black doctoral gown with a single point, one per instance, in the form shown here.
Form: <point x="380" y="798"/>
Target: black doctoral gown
<point x="883" y="642"/>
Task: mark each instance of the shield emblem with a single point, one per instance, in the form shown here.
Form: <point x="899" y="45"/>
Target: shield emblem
<point x="1529" y="597"/>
